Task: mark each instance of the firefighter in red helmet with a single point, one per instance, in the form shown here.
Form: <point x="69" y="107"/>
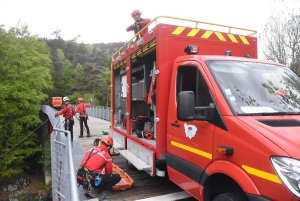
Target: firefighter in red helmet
<point x="97" y="159"/>
<point x="139" y="23"/>
<point x="81" y="108"/>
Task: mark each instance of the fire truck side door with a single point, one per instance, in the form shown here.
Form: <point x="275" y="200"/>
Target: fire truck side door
<point x="189" y="143"/>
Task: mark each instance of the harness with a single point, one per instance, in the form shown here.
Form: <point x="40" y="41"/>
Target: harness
<point x="138" y="24"/>
<point x="70" y="121"/>
<point x="85" y="176"/>
<point x="84" y="109"/>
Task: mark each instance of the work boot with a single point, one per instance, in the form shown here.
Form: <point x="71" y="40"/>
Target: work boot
<point x="89" y="193"/>
<point x="80" y="136"/>
<point x="88" y="135"/>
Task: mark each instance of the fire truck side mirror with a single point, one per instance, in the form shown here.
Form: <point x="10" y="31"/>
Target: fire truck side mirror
<point x="185" y="105"/>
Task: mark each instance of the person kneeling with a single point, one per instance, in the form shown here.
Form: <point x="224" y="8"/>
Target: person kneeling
<point x="94" y="161"/>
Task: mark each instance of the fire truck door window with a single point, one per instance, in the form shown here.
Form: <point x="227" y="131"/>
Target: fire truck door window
<point x="189" y="78"/>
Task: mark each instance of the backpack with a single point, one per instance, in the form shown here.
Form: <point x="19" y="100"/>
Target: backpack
<point x="140" y="125"/>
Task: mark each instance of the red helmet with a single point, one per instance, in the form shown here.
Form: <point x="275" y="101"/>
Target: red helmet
<point x="108" y="140"/>
<point x="79" y="99"/>
<point x="136" y="12"/>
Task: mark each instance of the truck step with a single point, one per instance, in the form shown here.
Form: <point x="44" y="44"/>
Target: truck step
<point x="138" y="163"/>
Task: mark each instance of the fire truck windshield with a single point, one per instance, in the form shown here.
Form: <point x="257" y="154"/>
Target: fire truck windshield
<point x="257" y="88"/>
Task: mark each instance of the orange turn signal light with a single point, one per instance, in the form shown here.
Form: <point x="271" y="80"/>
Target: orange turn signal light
<point x="225" y="150"/>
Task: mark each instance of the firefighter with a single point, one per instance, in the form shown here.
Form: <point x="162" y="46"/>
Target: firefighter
<point x="68" y="112"/>
<point x="139" y="23"/>
<point x="94" y="163"/>
<point x="81" y="108"/>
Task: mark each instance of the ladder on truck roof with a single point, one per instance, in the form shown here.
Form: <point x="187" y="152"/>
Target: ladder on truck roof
<point x="198" y="23"/>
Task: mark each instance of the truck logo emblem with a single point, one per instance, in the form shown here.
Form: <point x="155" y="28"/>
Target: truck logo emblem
<point x="190" y="130"/>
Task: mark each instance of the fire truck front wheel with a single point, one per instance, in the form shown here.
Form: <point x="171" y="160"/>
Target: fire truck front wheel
<point x="230" y="197"/>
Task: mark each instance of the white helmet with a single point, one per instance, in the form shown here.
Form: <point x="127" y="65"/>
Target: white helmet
<point x="65" y="99"/>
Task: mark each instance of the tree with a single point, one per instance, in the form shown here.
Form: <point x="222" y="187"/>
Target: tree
<point x="103" y="92"/>
<point x="81" y="68"/>
<point x="25" y="65"/>
<point x="281" y="37"/>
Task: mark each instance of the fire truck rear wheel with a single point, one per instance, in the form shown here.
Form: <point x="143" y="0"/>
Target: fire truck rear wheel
<point x="130" y="166"/>
<point x="230" y="197"/>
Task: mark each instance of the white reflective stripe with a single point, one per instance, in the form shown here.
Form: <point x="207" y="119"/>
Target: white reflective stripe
<point x="168" y="197"/>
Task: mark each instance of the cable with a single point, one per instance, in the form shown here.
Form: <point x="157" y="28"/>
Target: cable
<point x="24" y="138"/>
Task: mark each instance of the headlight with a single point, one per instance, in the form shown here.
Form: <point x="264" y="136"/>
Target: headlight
<point x="288" y="170"/>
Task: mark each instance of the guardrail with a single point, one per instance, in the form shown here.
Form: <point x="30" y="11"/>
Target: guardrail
<point x="64" y="183"/>
<point x="99" y="112"/>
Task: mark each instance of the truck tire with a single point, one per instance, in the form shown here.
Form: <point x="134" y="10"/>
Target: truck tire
<point x="230" y="197"/>
<point x="130" y="166"/>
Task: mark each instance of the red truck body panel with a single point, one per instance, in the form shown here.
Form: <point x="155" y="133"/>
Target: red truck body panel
<point x="166" y="39"/>
<point x="194" y="149"/>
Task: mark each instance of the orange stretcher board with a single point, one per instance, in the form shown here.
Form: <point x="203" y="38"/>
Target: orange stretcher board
<point x="126" y="181"/>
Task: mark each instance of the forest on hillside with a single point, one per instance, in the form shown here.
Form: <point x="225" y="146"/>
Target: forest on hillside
<point x="81" y="70"/>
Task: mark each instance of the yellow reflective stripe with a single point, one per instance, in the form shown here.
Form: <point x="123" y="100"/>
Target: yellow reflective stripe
<point x="244" y="39"/>
<point x="206" y="34"/>
<point x="178" y="30"/>
<point x="220" y="36"/>
<point x="232" y="38"/>
<point x="191" y="149"/>
<point x="193" y="32"/>
<point x="262" y="174"/>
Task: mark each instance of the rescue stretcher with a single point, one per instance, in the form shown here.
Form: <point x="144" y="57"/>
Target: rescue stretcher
<point x="125" y="182"/>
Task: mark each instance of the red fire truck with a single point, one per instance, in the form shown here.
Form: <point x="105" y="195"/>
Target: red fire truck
<point x="196" y="98"/>
<point x="56" y="102"/>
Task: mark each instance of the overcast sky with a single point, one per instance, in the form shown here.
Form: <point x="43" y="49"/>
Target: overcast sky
<point x="106" y="20"/>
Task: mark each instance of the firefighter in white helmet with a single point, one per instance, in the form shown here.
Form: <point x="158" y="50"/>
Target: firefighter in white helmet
<point x="68" y="112"/>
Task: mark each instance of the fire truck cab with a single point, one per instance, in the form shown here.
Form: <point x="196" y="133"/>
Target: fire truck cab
<point x="196" y="98"/>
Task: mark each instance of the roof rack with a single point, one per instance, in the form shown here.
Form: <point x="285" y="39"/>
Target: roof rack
<point x="197" y="26"/>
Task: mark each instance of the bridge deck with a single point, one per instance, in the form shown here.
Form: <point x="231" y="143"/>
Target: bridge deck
<point x="144" y="186"/>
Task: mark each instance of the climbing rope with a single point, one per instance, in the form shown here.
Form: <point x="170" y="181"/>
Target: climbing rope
<point x="24" y="138"/>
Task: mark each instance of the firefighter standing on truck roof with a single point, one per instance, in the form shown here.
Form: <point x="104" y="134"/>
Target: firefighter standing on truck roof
<point x="139" y="23"/>
<point x="81" y="108"/>
<point x="68" y="112"/>
<point x="94" y="161"/>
